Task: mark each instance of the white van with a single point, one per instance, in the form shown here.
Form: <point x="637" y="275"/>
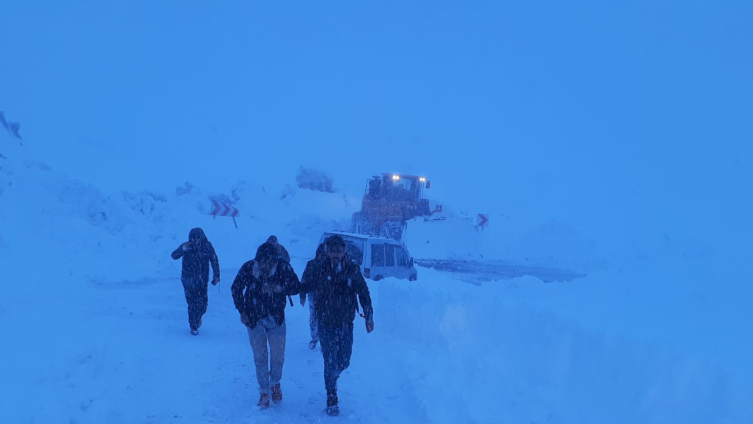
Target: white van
<point x="378" y="257"/>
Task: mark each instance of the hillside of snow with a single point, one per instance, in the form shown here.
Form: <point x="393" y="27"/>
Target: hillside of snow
<point x="545" y="137"/>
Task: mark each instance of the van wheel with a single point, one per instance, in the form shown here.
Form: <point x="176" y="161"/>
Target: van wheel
<point x="413" y="277"/>
<point x="378" y="277"/>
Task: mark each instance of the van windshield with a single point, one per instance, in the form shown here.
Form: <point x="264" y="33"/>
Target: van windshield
<point x="354" y="249"/>
<point x="401" y="256"/>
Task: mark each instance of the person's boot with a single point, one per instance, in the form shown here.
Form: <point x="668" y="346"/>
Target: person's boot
<point x="312" y="344"/>
<point x="332" y="408"/>
<point x="264" y="400"/>
<point x="276" y="393"/>
<point x="194" y="332"/>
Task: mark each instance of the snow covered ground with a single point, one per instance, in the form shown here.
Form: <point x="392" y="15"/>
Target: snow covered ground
<point x="608" y="348"/>
<point x="122" y="354"/>
<point x="96" y="326"/>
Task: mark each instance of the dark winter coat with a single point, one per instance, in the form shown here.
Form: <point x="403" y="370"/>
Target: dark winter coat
<point x="335" y="289"/>
<point x="284" y="255"/>
<point x="309" y="273"/>
<point x="251" y="300"/>
<point x="197" y="255"/>
<point x="313" y="268"/>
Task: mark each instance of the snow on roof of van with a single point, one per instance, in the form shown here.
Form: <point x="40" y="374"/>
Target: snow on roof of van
<point x="361" y="236"/>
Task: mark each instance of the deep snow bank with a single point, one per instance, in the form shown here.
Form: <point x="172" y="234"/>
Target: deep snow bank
<point x="78" y="231"/>
<point x="602" y="349"/>
<point x="525" y="241"/>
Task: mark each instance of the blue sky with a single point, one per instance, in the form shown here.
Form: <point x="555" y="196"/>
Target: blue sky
<point x="615" y="113"/>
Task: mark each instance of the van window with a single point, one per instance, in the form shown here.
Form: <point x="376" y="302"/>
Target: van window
<point x="377" y="254"/>
<point x="390" y="255"/>
<point x="401" y="256"/>
<point x="354" y="249"/>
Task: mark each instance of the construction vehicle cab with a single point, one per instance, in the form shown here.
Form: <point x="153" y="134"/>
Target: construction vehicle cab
<point x="390" y="201"/>
<point x="378" y="257"/>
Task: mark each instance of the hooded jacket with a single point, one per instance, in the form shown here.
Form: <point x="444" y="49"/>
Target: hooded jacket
<point x="284" y="255"/>
<point x="282" y="252"/>
<point x="335" y="287"/>
<point x="249" y="296"/>
<point x="197" y="255"/>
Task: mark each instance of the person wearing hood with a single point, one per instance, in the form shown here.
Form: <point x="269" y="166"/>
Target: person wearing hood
<point x="281" y="250"/>
<point x="259" y="293"/>
<point x="313" y="268"/>
<point x="337" y="288"/>
<point x="197" y="253"/>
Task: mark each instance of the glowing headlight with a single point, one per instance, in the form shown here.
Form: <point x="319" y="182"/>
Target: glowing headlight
<point x="422" y="179"/>
<point x="395" y="178"/>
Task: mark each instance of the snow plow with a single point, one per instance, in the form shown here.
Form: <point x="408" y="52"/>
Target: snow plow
<point x="390" y="201"/>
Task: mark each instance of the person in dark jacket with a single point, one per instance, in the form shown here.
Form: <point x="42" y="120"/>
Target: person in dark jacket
<point x="259" y="293"/>
<point x="336" y="286"/>
<point x="313" y="267"/>
<point x="197" y="253"/>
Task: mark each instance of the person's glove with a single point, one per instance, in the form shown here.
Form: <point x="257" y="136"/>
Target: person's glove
<point x="215" y="280"/>
<point x="245" y="320"/>
<point x="369" y="325"/>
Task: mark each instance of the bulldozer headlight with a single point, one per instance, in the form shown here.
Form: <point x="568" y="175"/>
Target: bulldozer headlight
<point x="395" y="178"/>
<point x="422" y="179"/>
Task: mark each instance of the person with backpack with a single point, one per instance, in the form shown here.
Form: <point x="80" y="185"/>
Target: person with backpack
<point x="313" y="268"/>
<point x="259" y="293"/>
<point x="337" y="287"/>
<point x="197" y="253"/>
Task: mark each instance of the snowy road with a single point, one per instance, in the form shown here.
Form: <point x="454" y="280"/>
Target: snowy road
<point x="135" y="362"/>
<point x="477" y="272"/>
<point x="113" y="351"/>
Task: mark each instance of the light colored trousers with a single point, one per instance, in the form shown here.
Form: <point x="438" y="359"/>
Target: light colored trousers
<point x="268" y="362"/>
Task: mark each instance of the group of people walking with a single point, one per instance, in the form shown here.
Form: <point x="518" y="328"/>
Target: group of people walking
<point x="332" y="283"/>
